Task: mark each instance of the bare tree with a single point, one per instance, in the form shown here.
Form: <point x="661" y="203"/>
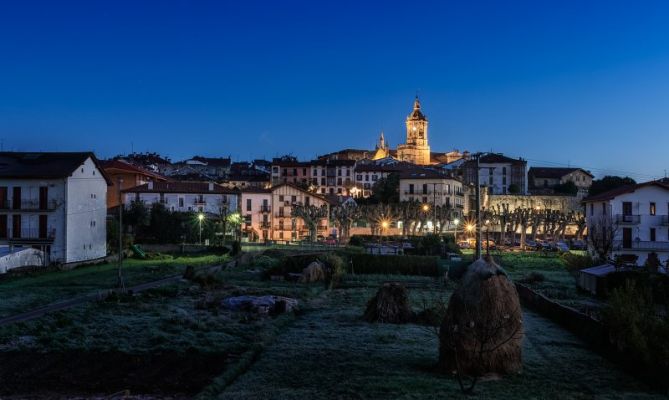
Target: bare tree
<point x="344" y="215"/>
<point x="601" y="235"/>
<point x="311" y="215"/>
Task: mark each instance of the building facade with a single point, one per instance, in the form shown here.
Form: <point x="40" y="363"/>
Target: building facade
<point x="54" y="202"/>
<point x="125" y="175"/>
<point x="544" y="179"/>
<point x="256" y="211"/>
<point x="433" y="189"/>
<point x="332" y="176"/>
<point x="636" y="217"/>
<point x="203" y="197"/>
<point x="500" y="174"/>
<point x="284" y="226"/>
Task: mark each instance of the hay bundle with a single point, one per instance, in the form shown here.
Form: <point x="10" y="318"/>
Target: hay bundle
<point x="389" y="305"/>
<point x="314" y="272"/>
<point x="482" y="331"/>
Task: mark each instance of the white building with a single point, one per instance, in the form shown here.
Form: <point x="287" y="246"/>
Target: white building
<point x="332" y="176"/>
<point x="636" y="218"/>
<point x="432" y="188"/>
<point x="205" y="197"/>
<point x="54" y="202"/>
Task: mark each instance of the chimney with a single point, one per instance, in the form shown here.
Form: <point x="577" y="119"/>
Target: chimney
<point x="211" y="186"/>
<point x="150" y="185"/>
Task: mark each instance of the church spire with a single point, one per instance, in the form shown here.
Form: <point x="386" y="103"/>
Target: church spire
<point x="416" y="103"/>
<point x="382" y="142"/>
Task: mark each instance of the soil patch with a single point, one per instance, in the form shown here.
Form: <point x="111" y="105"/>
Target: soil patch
<point x="76" y="372"/>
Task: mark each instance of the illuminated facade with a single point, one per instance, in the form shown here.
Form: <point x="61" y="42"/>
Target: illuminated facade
<point x="416" y="149"/>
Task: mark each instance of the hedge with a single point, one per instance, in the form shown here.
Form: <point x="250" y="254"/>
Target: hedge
<point x="391" y="264"/>
<point x="361" y="263"/>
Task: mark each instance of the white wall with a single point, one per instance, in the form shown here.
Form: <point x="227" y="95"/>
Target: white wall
<point x="86" y="200"/>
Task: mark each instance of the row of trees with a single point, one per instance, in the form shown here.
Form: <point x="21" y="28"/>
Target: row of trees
<point x="160" y="225"/>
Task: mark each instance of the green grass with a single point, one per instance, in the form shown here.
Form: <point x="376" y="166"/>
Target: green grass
<point x="331" y="353"/>
<point x="23" y="293"/>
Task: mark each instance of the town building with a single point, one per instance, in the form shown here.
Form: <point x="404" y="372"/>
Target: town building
<point x="545" y="180"/>
<point x="347" y="154"/>
<point x="432" y="188"/>
<point x="54" y="202"/>
<point x="332" y="176"/>
<point x="288" y="169"/>
<point x="368" y="172"/>
<point x="203" y="197"/>
<point x="500" y="174"/>
<point x="416" y="150"/>
<point x="129" y="176"/>
<point x="285" y="227"/>
<point x="210" y="168"/>
<point x="633" y="221"/>
<point x="256" y="212"/>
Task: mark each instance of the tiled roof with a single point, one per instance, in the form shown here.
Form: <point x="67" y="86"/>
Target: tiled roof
<point x="181" y="187"/>
<point x="48" y="165"/>
<point x="553" y="173"/>
<point x="214" y="161"/>
<point x="121" y="165"/>
<point x="613" y="193"/>
<point x="424" y="173"/>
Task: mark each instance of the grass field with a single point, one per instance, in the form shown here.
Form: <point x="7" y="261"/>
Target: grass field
<point x="22" y="293"/>
<point x="324" y="351"/>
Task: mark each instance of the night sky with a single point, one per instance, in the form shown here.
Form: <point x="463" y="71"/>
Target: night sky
<point x="582" y="83"/>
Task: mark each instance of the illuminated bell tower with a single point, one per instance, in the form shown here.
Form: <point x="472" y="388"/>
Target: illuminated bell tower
<point x="416" y="149"/>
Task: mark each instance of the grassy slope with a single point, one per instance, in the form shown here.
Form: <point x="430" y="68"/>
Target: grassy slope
<point x="331" y="353"/>
<point x="24" y="293"/>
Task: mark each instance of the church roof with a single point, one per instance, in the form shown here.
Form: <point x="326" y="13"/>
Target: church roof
<point x="416" y="114"/>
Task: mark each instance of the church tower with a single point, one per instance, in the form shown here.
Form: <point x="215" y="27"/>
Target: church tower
<point x="416" y="149"/>
<point x="382" y="150"/>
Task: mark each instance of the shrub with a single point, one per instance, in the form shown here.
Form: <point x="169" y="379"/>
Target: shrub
<point x="576" y="262"/>
<point x="533" y="277"/>
<point x="636" y="330"/>
<point x="264" y="262"/>
<point x="355" y="241"/>
<point x="402" y="265"/>
<point x="336" y="268"/>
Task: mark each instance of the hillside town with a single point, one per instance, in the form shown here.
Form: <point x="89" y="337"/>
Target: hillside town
<point x="57" y="205"/>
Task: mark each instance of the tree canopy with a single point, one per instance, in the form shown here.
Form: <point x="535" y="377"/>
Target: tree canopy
<point x="387" y="190"/>
<point x="608" y="183"/>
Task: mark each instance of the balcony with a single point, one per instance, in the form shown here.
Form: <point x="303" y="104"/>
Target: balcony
<point x="200" y="202"/>
<point x="642" y="245"/>
<point x="665" y="220"/>
<point x="28" y="205"/>
<point x="623" y="219"/>
<point x="265" y="225"/>
<point x="31" y="235"/>
<point x="265" y="209"/>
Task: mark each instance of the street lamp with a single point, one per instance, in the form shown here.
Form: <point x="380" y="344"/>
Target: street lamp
<point x="200" y="218"/>
<point x="455" y="235"/>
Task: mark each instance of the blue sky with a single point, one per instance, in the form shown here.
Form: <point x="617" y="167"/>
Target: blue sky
<point x="567" y="82"/>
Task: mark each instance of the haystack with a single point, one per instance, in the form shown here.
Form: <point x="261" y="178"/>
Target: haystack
<point x="482" y="331"/>
<point x="314" y="272"/>
<point x="389" y="305"/>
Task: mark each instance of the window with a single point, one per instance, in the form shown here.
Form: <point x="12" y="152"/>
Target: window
<point x="652" y="234"/>
<point x="411" y="188"/>
<point x="281" y="198"/>
<point x="293" y="199"/>
<point x="603" y="208"/>
<point x="322" y="181"/>
<point x="358" y="177"/>
<point x="348" y="172"/>
<point x="248" y="205"/>
<point x="652" y="208"/>
<point x="339" y="172"/>
<point x="315" y="172"/>
<point x="367" y="178"/>
<point x="304" y="171"/>
<point x="181" y="201"/>
<point x="491" y="171"/>
<point x="503" y="170"/>
<point x="424" y="188"/>
<point x="374" y="178"/>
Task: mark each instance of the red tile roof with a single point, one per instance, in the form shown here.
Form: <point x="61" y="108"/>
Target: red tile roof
<point x="613" y="193"/>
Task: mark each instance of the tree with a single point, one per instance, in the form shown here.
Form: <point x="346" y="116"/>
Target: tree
<point x="311" y="215"/>
<point x="568" y="188"/>
<point x="136" y="215"/>
<point x="387" y="190"/>
<point x="514" y="189"/>
<point x="601" y="234"/>
<point x="344" y="215"/>
<point x="608" y="183"/>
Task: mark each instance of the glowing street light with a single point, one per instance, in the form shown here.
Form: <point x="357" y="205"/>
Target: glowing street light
<point x="200" y="218"/>
<point x="455" y="235"/>
<point x="426" y="207"/>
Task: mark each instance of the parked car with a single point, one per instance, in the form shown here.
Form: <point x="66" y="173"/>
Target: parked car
<point x="562" y="247"/>
<point x="464" y="245"/>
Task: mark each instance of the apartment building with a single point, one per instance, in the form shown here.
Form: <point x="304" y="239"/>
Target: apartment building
<point x="256" y="211"/>
<point x="205" y="197"/>
<point x="284" y="226"/>
<point x="54" y="202"/>
<point x="635" y="216"/>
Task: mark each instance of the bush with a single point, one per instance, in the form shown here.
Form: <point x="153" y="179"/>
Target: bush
<point x="636" y="330"/>
<point x="575" y="262"/>
<point x="402" y="265"/>
<point x="533" y="277"/>
<point x="355" y="241"/>
<point x="336" y="268"/>
<point x="264" y="262"/>
<point x="656" y="284"/>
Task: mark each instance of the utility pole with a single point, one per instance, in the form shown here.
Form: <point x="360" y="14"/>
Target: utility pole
<point x="120" y="283"/>
<point x="434" y="207"/>
<point x="477" y="157"/>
